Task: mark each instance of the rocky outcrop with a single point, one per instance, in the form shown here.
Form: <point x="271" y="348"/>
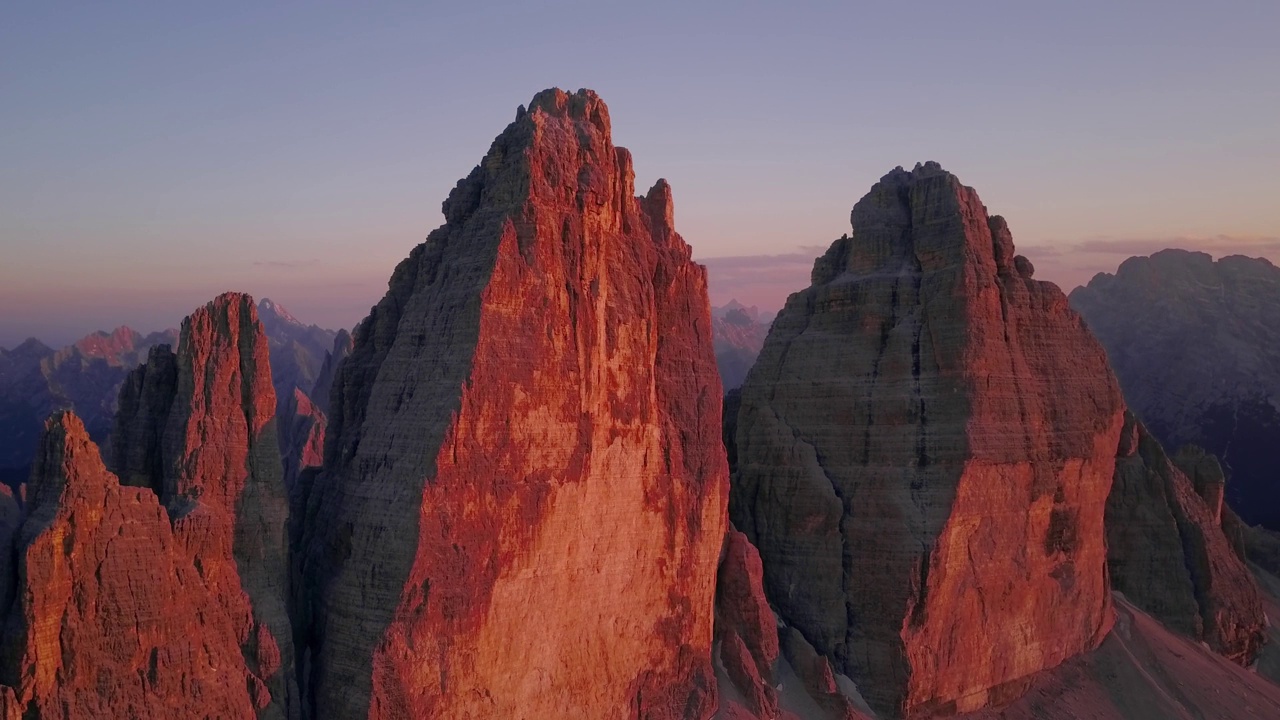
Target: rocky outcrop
<point x="523" y="496"/>
<point x="87" y="377"/>
<point x="342" y="344"/>
<point x="198" y="428"/>
<point x="1196" y="346"/>
<point x="745" y="628"/>
<point x="302" y="429"/>
<point x="1168" y="553"/>
<point x="146" y="397"/>
<point x="1210" y="483"/>
<point x="111" y="618"/>
<point x="924" y="451"/>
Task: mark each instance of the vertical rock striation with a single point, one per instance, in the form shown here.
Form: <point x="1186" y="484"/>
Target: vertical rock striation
<point x="324" y="381"/>
<point x="302" y="428"/>
<point x="523" y="496"/>
<point x="111" y="618"/>
<point x="924" y="451"/>
<point x="746" y="630"/>
<point x="1168" y="553"/>
<point x="198" y="427"/>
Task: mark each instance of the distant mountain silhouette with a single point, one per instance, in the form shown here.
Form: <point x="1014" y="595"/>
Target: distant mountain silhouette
<point x="738" y="333"/>
<point x="1196" y="346"/>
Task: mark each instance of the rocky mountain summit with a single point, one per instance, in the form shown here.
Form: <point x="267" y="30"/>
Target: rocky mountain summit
<point x="171" y="579"/>
<point x="923" y="455"/>
<point x="1168" y="553"/>
<point x="523" y="496"/>
<point x="87" y="375"/>
<point x="1196" y="346"/>
<point x="507" y="493"/>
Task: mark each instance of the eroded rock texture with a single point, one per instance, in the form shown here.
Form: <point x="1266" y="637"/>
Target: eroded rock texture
<point x="302" y="429"/>
<point x="111" y="618"/>
<point x="1168" y="552"/>
<point x="324" y="381"/>
<point x="522" y="504"/>
<point x="924" y="451"/>
<point x="746" y="630"/>
<point x="198" y="427"/>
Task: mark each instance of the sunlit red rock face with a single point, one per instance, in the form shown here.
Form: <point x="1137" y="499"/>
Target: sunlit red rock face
<point x="302" y="428"/>
<point x="523" y="499"/>
<point x="924" y="451"/>
<point x="1169" y="555"/>
<point x="111" y="618"/>
<point x="746" y="631"/>
<point x="198" y="427"/>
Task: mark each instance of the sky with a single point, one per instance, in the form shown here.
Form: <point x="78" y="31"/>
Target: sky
<point x="155" y="154"/>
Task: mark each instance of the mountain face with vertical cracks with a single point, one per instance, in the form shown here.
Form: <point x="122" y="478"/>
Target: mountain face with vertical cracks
<point x="1196" y="346"/>
<point x="110" y="618"/>
<point x="923" y="455"/>
<point x="198" y="428"/>
<point x="523" y="496"/>
<point x="1168" y="553"/>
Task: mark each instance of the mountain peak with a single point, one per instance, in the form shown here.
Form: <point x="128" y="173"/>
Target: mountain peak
<point x="268" y="308"/>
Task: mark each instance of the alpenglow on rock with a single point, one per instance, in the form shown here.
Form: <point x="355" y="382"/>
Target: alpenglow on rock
<point x="523" y="495"/>
<point x="110" y="617"/>
<point x="198" y="427"/>
<point x="924" y="451"/>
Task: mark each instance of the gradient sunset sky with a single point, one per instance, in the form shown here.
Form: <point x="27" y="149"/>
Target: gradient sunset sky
<point x="155" y="154"/>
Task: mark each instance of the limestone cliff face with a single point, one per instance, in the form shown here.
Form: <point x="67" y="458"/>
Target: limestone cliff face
<point x="1169" y="554"/>
<point x="111" y="618"/>
<point x="198" y="427"/>
<point x="523" y="497"/>
<point x="924" y="451"/>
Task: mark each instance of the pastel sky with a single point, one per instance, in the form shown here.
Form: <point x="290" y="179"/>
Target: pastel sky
<point x="154" y="154"/>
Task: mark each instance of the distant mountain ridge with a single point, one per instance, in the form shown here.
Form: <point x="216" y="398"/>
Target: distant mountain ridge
<point x="738" y="333"/>
<point x="1196" y="346"/>
<point x="85" y="376"/>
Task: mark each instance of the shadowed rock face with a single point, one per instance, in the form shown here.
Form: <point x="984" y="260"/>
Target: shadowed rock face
<point x="111" y="618"/>
<point x="1169" y="555"/>
<point x="302" y="428"/>
<point x="523" y="497"/>
<point x="324" y="381"/>
<point x="1196" y="346"/>
<point x="924" y="451"/>
<point x="198" y="427"/>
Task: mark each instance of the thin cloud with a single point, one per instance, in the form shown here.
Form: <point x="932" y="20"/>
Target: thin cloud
<point x="286" y="264"/>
